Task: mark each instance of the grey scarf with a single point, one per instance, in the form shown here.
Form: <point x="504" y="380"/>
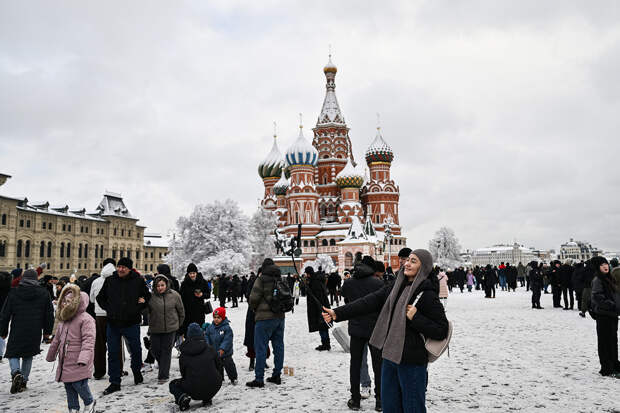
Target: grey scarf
<point x="389" y="334"/>
<point x="29" y="279"/>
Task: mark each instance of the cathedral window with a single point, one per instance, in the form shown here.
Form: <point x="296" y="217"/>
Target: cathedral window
<point x="332" y="242"/>
<point x="324" y="243"/>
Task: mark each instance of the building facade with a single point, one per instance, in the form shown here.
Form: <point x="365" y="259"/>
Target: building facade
<point x="497" y="254"/>
<point x="578" y="250"/>
<point x="319" y="185"/>
<point x="69" y="241"/>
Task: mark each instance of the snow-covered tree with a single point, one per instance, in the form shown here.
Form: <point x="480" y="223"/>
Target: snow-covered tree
<point x="445" y="248"/>
<point x="324" y="261"/>
<point x="210" y="230"/>
<point x="225" y="262"/>
<point x="262" y="225"/>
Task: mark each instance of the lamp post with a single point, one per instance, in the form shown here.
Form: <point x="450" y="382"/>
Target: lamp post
<point x="388" y="223"/>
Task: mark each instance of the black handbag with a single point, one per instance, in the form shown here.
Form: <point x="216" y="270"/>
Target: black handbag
<point x="208" y="307"/>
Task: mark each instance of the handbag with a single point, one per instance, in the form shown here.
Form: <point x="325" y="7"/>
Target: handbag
<point x="208" y="307"/>
<point x="435" y="348"/>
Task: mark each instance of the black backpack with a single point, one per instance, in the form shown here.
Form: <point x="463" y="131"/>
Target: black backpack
<point x="281" y="300"/>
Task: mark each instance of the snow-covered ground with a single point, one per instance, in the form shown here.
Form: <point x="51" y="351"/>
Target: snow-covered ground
<point x="504" y="356"/>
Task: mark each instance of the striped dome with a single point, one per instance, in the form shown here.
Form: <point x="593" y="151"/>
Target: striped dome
<point x="350" y="177"/>
<point x="301" y="152"/>
<point x="379" y="150"/>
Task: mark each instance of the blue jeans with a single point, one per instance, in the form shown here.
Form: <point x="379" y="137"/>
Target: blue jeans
<point x="78" y="388"/>
<point x="264" y="331"/>
<point x="403" y="387"/>
<point x="26" y="365"/>
<point x="364" y="377"/>
<point x="113" y="337"/>
<point x="2" y="346"/>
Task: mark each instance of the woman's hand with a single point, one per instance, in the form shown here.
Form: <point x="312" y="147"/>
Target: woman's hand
<point x="411" y="310"/>
<point x="141" y="300"/>
<point x="198" y="294"/>
<point x="221" y="352"/>
<point x="328" y="315"/>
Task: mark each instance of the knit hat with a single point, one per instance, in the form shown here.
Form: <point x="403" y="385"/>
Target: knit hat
<point x="16" y="273"/>
<point x="194" y="330"/>
<point x="368" y="261"/>
<point x="163" y="269"/>
<point x="221" y="311"/>
<point x="125" y="262"/>
<point x="109" y="261"/>
<point x="30" y="275"/>
<point x="192" y="268"/>
<point x="596" y="262"/>
<point x="309" y="270"/>
<point x="405" y="252"/>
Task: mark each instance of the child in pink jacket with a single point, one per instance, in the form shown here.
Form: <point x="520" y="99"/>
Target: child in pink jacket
<point x="74" y="345"/>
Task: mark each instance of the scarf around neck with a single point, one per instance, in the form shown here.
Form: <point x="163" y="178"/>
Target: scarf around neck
<point x="389" y="332"/>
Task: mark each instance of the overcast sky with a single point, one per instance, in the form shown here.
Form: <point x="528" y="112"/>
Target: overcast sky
<point x="504" y="116"/>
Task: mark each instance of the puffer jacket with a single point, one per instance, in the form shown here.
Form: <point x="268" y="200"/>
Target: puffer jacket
<point x="262" y="292"/>
<point x="96" y="287"/>
<point x="166" y="311"/>
<point x="220" y="337"/>
<point x="74" y="342"/>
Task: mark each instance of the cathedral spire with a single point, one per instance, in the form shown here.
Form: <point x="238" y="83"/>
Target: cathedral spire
<point x="330" y="113"/>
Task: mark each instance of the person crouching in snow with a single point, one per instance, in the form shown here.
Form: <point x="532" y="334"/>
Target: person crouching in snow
<point x="74" y="345"/>
<point x="200" y="369"/>
<point x="220" y="336"/>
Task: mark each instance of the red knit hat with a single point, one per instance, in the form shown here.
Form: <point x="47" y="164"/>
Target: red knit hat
<point x="221" y="311"/>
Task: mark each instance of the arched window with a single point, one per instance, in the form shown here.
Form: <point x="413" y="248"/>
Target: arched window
<point x="324" y="243"/>
<point x="325" y="179"/>
<point x="42" y="250"/>
<point x="332" y="242"/>
<point x="27" y="249"/>
<point x="348" y="260"/>
<point x="323" y="210"/>
<point x="2" y="248"/>
<point x="62" y="250"/>
<point x="68" y="250"/>
<point x="3" y="219"/>
<point x="79" y="250"/>
<point x="312" y="243"/>
<point x="101" y="252"/>
<point x="85" y="250"/>
<point x="49" y="249"/>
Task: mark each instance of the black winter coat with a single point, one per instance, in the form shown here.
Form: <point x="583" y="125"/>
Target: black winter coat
<point x="194" y="306"/>
<point x="248" y="338"/>
<point x="316" y="285"/>
<point x="536" y="279"/>
<point x="604" y="297"/>
<point x="363" y="283"/>
<point x="119" y="298"/>
<point x="430" y="319"/>
<point x="566" y="273"/>
<point x="200" y="369"/>
<point x="5" y="287"/>
<point x="29" y="311"/>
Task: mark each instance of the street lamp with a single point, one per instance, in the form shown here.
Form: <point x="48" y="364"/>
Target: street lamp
<point x="388" y="223"/>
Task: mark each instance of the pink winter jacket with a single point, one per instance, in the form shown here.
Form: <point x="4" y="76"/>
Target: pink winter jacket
<point x="74" y="342"/>
<point x="443" y="285"/>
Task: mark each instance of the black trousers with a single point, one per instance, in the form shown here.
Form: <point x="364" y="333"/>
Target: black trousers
<point x="566" y="292"/>
<point x="535" y="297"/>
<point x="357" y="350"/>
<point x="557" y="295"/>
<point x="578" y="293"/>
<point x="333" y="295"/>
<point x="230" y="367"/>
<point x="607" y="335"/>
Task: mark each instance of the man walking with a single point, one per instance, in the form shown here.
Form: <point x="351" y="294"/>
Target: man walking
<point x="123" y="296"/>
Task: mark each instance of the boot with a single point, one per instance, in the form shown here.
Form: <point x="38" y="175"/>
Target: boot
<point x="255" y="383"/>
<point x="111" y="389"/>
<point x="252" y="364"/>
<point x="184" y="402"/>
<point x="275" y="379"/>
<point x="137" y="377"/>
<point x="378" y="406"/>
<point x="18" y="382"/>
<point x="353" y="404"/>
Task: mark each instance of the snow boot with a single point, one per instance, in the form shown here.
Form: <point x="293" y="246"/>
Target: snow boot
<point x="184" y="402"/>
<point x="354" y="404"/>
<point x="255" y="383"/>
<point x="111" y="389"/>
<point x="137" y="377"/>
<point x="275" y="379"/>
<point x="17" y="382"/>
<point x="252" y="364"/>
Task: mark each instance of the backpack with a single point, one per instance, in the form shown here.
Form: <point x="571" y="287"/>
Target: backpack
<point x="282" y="300"/>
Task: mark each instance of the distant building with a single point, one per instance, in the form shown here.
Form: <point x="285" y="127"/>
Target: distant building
<point x="578" y="250"/>
<point x="155" y="251"/>
<point x="502" y="253"/>
<point x="71" y="240"/>
<point x="544" y="255"/>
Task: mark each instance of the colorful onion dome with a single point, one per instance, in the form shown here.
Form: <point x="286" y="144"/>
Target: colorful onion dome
<point x="350" y="177"/>
<point x="301" y="152"/>
<point x="379" y="150"/>
<point x="271" y="166"/>
<point x="281" y="186"/>
<point x="330" y="67"/>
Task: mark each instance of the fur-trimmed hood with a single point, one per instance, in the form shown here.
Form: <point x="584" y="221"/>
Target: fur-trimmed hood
<point x="158" y="279"/>
<point x="79" y="302"/>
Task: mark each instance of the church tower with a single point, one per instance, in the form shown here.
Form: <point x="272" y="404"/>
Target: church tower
<point x="270" y="170"/>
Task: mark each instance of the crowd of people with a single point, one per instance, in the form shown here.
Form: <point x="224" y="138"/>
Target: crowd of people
<point x="90" y="321"/>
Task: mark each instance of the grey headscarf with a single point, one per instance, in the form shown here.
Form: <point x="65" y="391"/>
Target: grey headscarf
<point x="389" y="335"/>
<point x="29" y="279"/>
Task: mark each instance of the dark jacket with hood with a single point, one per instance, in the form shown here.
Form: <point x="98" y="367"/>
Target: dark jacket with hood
<point x="361" y="284"/>
<point x="194" y="306"/>
<point x="119" y="298"/>
<point x="429" y="320"/>
<point x="29" y="311"/>
<point x="262" y="292"/>
<point x="220" y="337"/>
<point x="200" y="369"/>
<point x="164" y="269"/>
<point x="166" y="311"/>
<point x="317" y="291"/>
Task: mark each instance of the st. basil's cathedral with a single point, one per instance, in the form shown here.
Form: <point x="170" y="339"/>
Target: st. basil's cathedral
<point x="342" y="208"/>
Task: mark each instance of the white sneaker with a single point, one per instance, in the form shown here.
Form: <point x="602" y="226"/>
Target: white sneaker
<point x="90" y="408"/>
<point x="365" y="392"/>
